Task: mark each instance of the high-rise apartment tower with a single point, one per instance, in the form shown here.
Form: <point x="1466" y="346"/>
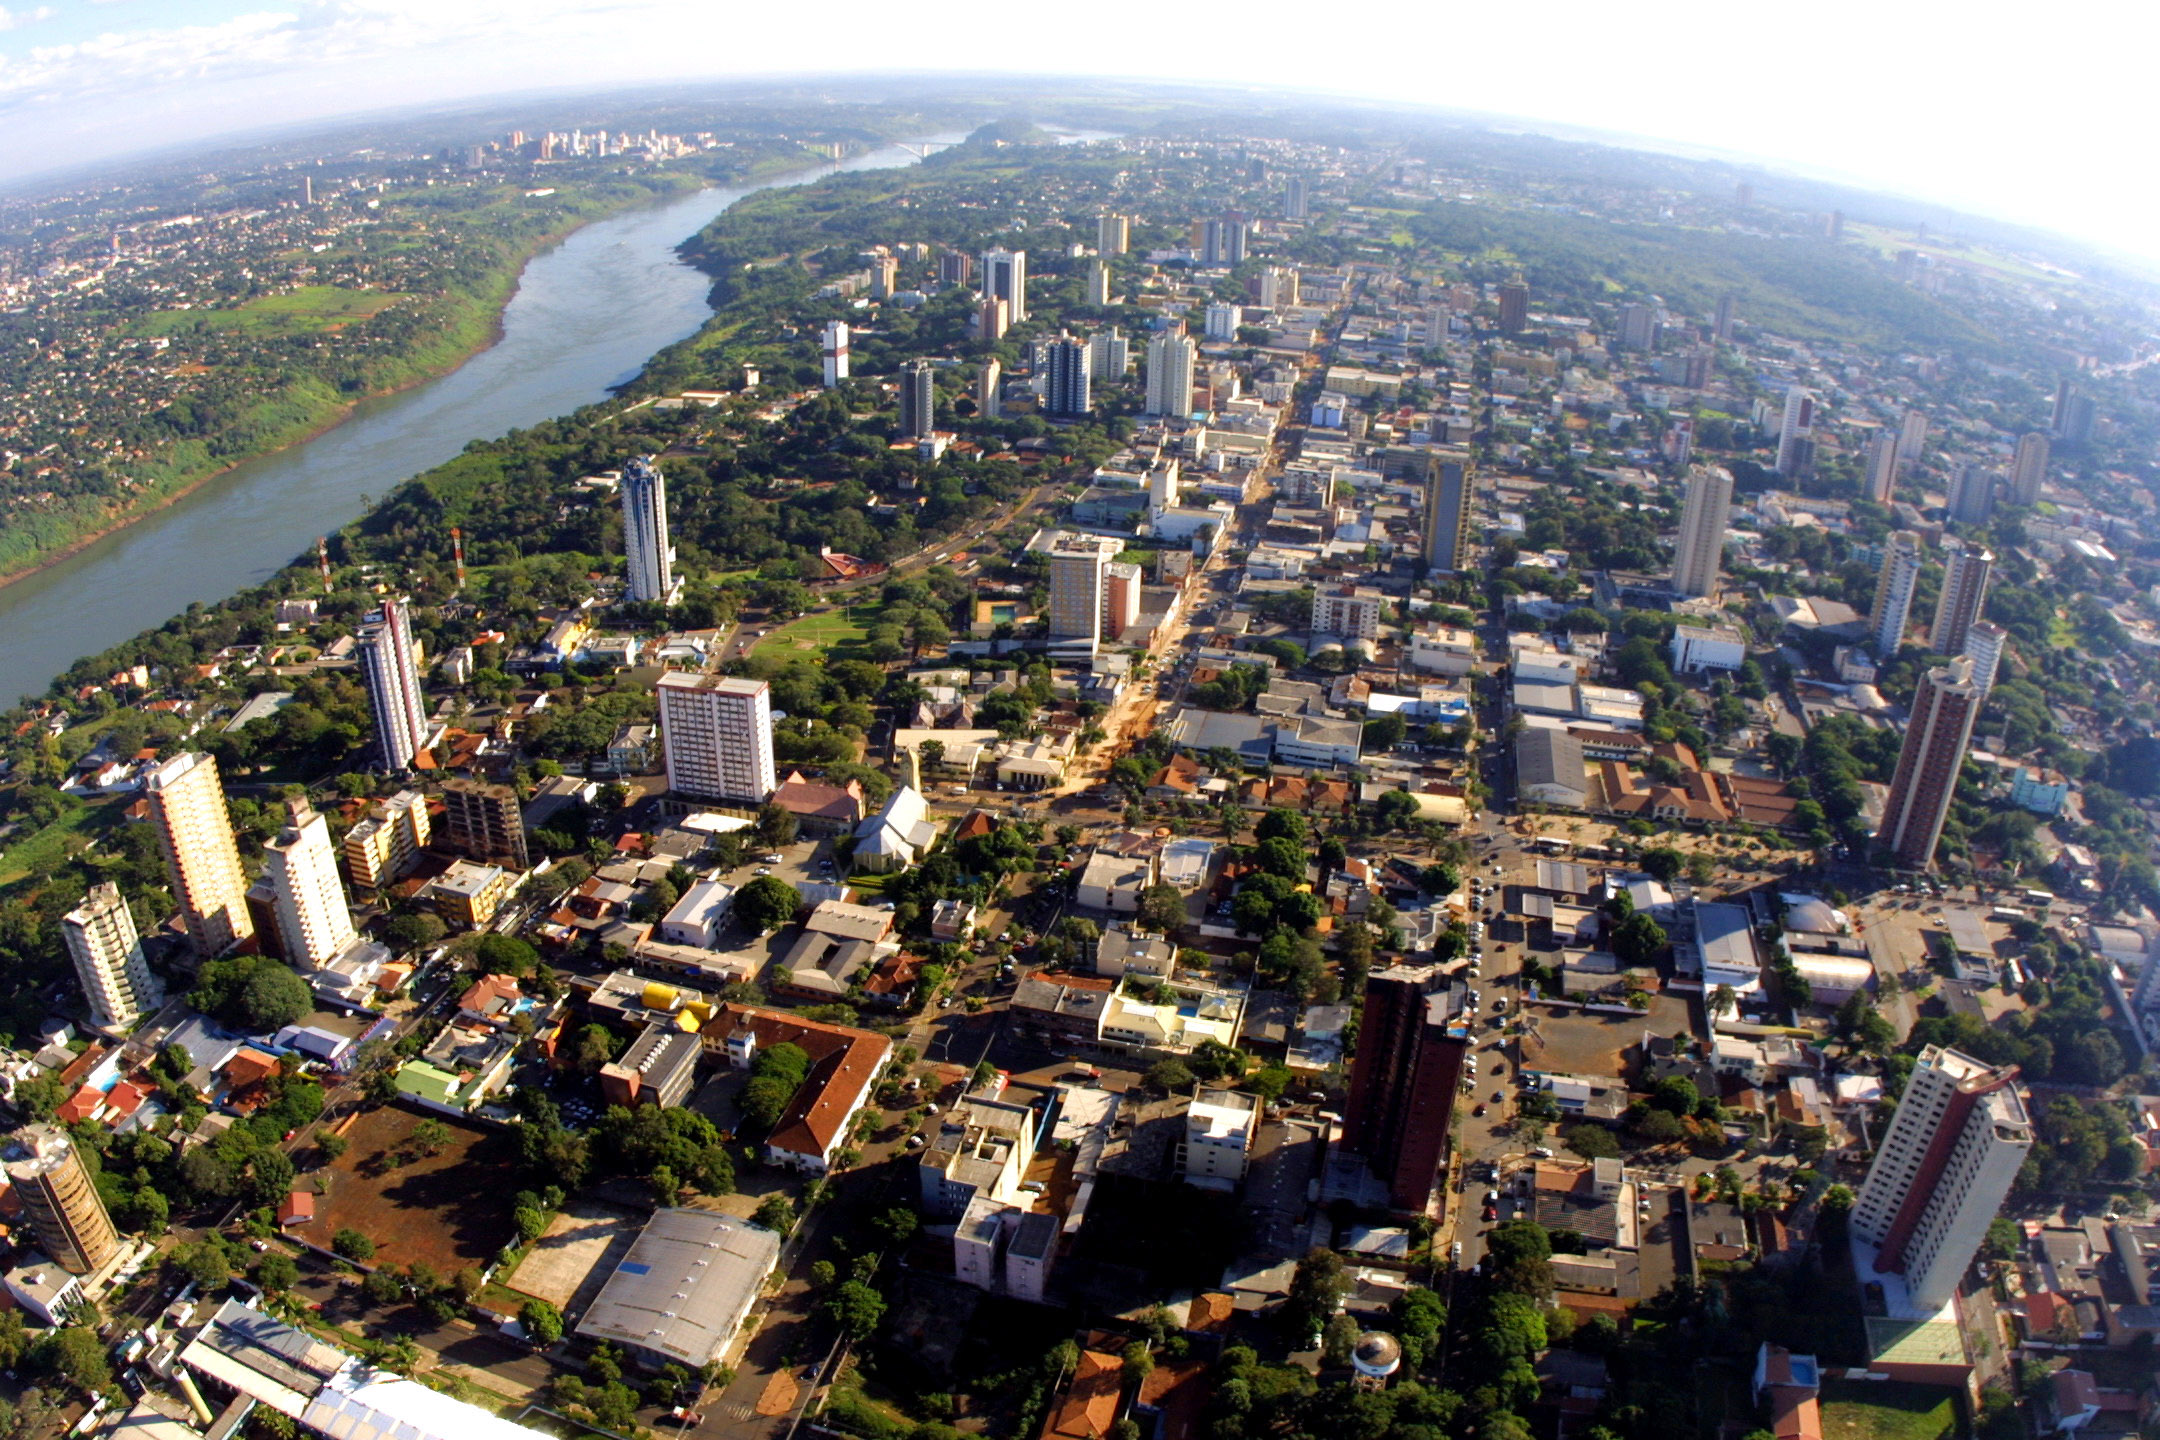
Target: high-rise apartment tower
<point x="717" y="730"/>
<point x="1700" y="551"/>
<point x="649" y="573"/>
<point x="1939" y="1178"/>
<point x="1943" y="709"/>
<point x="1964" y="594"/>
<point x="60" y="1201"/>
<point x="187" y="805"/>
<point x="390" y="666"/>
<point x="108" y="955"/>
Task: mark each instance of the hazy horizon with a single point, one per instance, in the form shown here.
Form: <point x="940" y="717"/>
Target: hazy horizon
<point x="1936" y="118"/>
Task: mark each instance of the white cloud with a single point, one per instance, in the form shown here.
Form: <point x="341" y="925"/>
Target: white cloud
<point x="16" y="19"/>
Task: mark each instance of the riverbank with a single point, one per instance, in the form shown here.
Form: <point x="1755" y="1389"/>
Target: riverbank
<point x="577" y="338"/>
<point x="308" y="409"/>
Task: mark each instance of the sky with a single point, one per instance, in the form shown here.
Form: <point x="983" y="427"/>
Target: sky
<point x="2038" y="115"/>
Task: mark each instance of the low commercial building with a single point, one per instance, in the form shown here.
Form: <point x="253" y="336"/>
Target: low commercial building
<point x="683" y="1292"/>
<point x="658" y="1069"/>
<point x="1443" y="650"/>
<point x="1113" y="882"/>
<point x="1219" y="1130"/>
<point x="981" y="1149"/>
<point x="468" y="894"/>
<point x="1006" y="1250"/>
<point x="1695" y="648"/>
<point x="1549" y="768"/>
<point x="844" y="1066"/>
<point x="700" y="917"/>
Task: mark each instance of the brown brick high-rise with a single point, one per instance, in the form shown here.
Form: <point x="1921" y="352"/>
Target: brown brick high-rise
<point x="1943" y="710"/>
<point x="60" y="1201"/>
<point x="1410" y="1052"/>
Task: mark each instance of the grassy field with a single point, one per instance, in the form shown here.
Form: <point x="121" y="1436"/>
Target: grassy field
<point x="309" y="309"/>
<point x="1886" y="1410"/>
<point x="829" y="635"/>
<point x="1887" y="242"/>
<point x="40" y="851"/>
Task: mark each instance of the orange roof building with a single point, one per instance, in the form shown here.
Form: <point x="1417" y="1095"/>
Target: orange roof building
<point x="1088" y="1407"/>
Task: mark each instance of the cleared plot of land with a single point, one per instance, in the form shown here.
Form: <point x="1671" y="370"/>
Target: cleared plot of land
<point x="1577" y="1042"/>
<point x="307" y="309"/>
<point x="449" y="1210"/>
<point x="832" y="634"/>
<point x="40" y="851"/>
<point x="584" y="1244"/>
<point x="1886" y="1410"/>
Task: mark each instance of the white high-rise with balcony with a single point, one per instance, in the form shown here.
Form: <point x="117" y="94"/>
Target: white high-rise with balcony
<point x="1985" y="642"/>
<point x="650" y="572"/>
<point x="717" y="730"/>
<point x="108" y="955"/>
<point x="314" y="922"/>
<point x="390" y="664"/>
<point x="1170" y="358"/>
<point x="1895" y="584"/>
<point x="1949" y="1157"/>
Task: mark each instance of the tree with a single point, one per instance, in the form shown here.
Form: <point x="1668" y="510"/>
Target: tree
<point x="595" y="1046"/>
<point x="776" y="825"/>
<point x="776" y="1213"/>
<point x="543" y="1322"/>
<point x="1519" y="1259"/>
<point x="276" y="1272"/>
<point x="430" y="1136"/>
<point x="353" y="1245"/>
<point x="767" y="903"/>
<point x="1662" y="862"/>
<point x="1637" y="939"/>
<point x="1592" y="1142"/>
<point x="1162" y="909"/>
<point x="1167" y="1077"/>
<point x="1317" y="1288"/>
<point x="856" y="1308"/>
<point x="77" y="1356"/>
<point x="252" y="993"/>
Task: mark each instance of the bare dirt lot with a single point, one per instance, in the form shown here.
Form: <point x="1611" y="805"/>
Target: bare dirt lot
<point x="1581" y="1042"/>
<point x="583" y="1243"/>
<point x="448" y="1210"/>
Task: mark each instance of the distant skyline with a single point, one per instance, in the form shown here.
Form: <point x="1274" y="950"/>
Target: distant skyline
<point x="2027" y="124"/>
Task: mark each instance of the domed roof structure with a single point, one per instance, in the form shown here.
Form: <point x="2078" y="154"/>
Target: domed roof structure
<point x="1378" y="1354"/>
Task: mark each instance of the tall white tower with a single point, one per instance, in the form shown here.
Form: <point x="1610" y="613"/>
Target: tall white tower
<point x="1947" y="1161"/>
<point x="1700" y="552"/>
<point x="717" y="730"/>
<point x="1796" y="435"/>
<point x="1004" y="277"/>
<point x="834" y="349"/>
<point x="108" y="956"/>
<point x="1895" y="583"/>
<point x="2028" y="468"/>
<point x="1912" y="439"/>
<point x="314" y="923"/>
<point x="1985" y="642"/>
<point x="1170" y="358"/>
<point x="1882" y="466"/>
<point x="990" y="390"/>
<point x="650" y="573"/>
<point x="390" y="664"/>
<point x="1079" y="580"/>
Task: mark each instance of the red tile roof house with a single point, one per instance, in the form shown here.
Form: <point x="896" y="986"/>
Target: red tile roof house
<point x="844" y="1067"/>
